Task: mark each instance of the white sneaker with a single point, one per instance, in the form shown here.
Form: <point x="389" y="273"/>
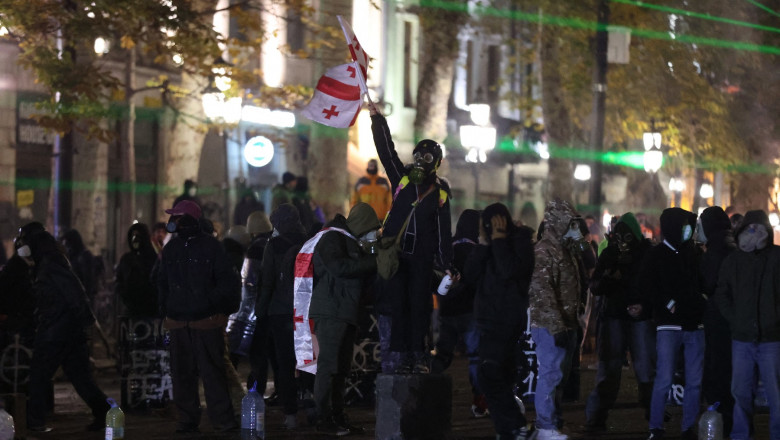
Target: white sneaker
<point x="549" y="434"/>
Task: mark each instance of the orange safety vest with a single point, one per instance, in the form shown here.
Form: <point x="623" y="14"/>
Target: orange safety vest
<point x="374" y="190"/>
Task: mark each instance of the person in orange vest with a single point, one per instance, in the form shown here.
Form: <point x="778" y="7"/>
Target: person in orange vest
<point x="374" y="190"/>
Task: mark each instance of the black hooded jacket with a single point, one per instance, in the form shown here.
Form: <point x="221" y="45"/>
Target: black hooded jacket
<point x="748" y="292"/>
<point x="720" y="243"/>
<point x="501" y="271"/>
<point x="133" y="274"/>
<point x="82" y="261"/>
<point x="196" y="279"/>
<point x="670" y="278"/>
<point x="460" y="299"/>
<point x="276" y="296"/>
<point x="62" y="307"/>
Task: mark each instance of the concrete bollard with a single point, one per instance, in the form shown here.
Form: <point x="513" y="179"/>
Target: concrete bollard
<point x="413" y="406"/>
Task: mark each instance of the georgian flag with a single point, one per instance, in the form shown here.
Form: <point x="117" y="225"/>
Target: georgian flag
<point x="305" y="341"/>
<point x="358" y="54"/>
<point x="337" y="98"/>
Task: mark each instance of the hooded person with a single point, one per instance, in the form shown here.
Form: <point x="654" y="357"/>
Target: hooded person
<point x="190" y="193"/>
<point x="554" y="302"/>
<point x="198" y="289"/>
<point x="342" y="267"/>
<point x="133" y="274"/>
<point x="623" y="322"/>
<point x="748" y="297"/>
<point x="421" y="214"/>
<point x="275" y="308"/>
<point x="84" y="264"/>
<point x="714" y="233"/>
<point x="246" y="206"/>
<point x="63" y="317"/>
<point x="670" y="280"/>
<point x="283" y="192"/>
<point x="500" y="268"/>
<point x="17" y="298"/>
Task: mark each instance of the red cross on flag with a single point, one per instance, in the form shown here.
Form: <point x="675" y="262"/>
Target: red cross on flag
<point x="358" y="54"/>
<point x="337" y="99"/>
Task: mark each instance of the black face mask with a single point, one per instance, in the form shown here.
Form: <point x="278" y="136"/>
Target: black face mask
<point x="183" y="225"/>
<point x="625" y="240"/>
<point x="372" y="171"/>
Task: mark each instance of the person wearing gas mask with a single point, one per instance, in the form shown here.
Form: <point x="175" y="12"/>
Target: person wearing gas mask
<point x="61" y="337"/>
<point x="554" y="302"/>
<point x="748" y="296"/>
<point x="274" y="308"/>
<point x="421" y="213"/>
<point x="374" y="190"/>
<point x="714" y="234"/>
<point x="623" y="322"/>
<point x="669" y="279"/>
<point x="343" y="268"/>
<point x="198" y="289"/>
<point x="190" y="193"/>
<point x="501" y="267"/>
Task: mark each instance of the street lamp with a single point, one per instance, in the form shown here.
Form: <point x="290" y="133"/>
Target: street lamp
<point x="478" y="139"/>
<point x="653" y="158"/>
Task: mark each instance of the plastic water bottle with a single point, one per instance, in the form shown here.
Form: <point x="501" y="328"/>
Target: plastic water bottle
<point x="6" y="424"/>
<point x="444" y="286"/>
<point x="252" y="415"/>
<point x="115" y="421"/>
<point x="711" y="424"/>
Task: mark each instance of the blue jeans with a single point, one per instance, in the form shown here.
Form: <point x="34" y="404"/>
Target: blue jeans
<point x="554" y="367"/>
<point x="745" y="357"/>
<point x="615" y="336"/>
<point x="668" y="344"/>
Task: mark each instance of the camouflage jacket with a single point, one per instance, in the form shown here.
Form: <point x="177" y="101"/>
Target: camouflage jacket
<point x="555" y="286"/>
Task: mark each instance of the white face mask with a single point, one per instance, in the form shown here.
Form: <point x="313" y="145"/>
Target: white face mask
<point x="700" y="237"/>
<point x="192" y="191"/>
<point x="275" y="233"/>
<point x="687" y="232"/>
<point x="369" y="236"/>
<point x="24" y="251"/>
<point x="574" y="234"/>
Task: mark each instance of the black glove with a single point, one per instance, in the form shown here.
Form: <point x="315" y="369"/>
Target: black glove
<point x="561" y="338"/>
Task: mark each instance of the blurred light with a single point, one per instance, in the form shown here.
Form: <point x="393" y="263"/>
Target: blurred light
<point x="232" y="110"/>
<point x="676" y="184"/>
<point x="221" y="80"/>
<point x="218" y="109"/>
<point x="653" y="160"/>
<point x="774" y="219"/>
<point x="178" y="59"/>
<point x="606" y="220"/>
<point x="101" y="46"/>
<point x="264" y="116"/>
<point x="582" y="172"/>
<point x="651" y="140"/>
<point x="258" y="151"/>
<point x="706" y="191"/>
<point x="474" y="136"/>
<point x="480" y="113"/>
<point x="542" y="149"/>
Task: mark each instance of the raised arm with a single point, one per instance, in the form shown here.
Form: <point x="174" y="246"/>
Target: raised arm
<point x="385" y="148"/>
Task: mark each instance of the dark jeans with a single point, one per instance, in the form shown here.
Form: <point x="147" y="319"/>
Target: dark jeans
<point x="450" y="330"/>
<point x="615" y="336"/>
<point x="281" y="327"/>
<point x="497" y="374"/>
<point x="261" y="354"/>
<point x="337" y="344"/>
<point x="199" y="354"/>
<point x="390" y="359"/>
<point x="73" y="356"/>
<point x="716" y="384"/>
<point x="411" y="293"/>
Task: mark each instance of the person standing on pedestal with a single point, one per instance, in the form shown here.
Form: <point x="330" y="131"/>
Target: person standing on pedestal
<point x="421" y="213"/>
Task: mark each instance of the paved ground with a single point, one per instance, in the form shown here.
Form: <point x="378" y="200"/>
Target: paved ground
<point x="626" y="421"/>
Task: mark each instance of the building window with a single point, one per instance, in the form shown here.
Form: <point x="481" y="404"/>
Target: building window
<point x="493" y="73"/>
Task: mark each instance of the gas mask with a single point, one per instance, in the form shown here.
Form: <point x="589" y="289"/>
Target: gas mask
<point x="368" y="241"/>
<point x="183" y="225"/>
<point x="624" y="240"/>
<point x="573" y="239"/>
<point x="427" y="154"/>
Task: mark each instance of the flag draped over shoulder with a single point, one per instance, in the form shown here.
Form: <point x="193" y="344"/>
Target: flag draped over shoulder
<point x="305" y="342"/>
<point x="358" y="54"/>
<point x="337" y="98"/>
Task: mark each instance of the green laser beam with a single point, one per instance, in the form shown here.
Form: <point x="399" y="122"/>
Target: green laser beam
<point x="577" y="23"/>
<point x="701" y="15"/>
<point x="766" y="8"/>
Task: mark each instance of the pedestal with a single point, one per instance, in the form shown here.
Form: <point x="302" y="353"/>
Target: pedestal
<point x="414" y="406"/>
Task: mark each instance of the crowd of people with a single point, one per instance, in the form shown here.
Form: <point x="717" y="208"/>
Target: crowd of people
<point x="704" y="294"/>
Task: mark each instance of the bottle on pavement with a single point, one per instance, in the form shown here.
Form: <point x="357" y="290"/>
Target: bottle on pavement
<point x="711" y="424"/>
<point x="115" y="421"/>
<point x="252" y="415"/>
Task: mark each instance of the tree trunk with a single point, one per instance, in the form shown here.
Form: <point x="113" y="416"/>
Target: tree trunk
<point x="557" y="121"/>
<point x="127" y="211"/>
<point x="440" y="46"/>
<point x="327" y="154"/>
